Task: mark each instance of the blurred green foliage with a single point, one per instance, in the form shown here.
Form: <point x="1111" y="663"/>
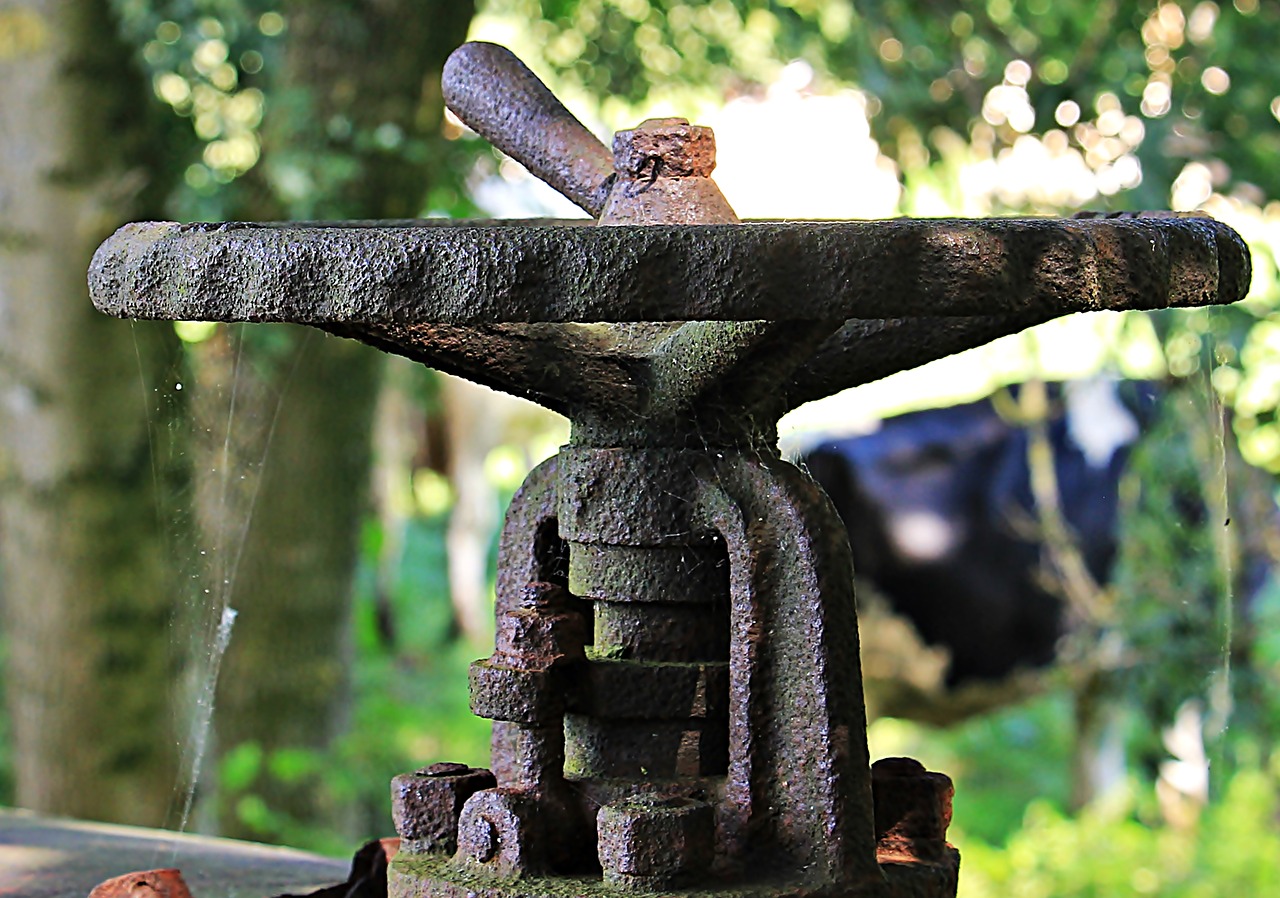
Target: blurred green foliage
<point x="221" y="65"/>
<point x="1017" y="839"/>
<point x="1193" y="71"/>
<point x="1153" y="101"/>
<point x="1104" y="851"/>
<point x="411" y="705"/>
<point x="1001" y="762"/>
<point x="1175" y="606"/>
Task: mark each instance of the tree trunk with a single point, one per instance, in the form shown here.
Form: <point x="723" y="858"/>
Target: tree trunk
<point x="358" y="112"/>
<point x="87" y="585"/>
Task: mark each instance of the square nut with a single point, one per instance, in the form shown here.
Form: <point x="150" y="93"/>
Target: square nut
<point x="425" y="804"/>
<point x="650" y="842"/>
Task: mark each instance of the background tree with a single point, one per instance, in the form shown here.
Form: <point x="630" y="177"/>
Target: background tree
<point x="358" y="90"/>
<point x="85" y="453"/>
<point x="350" y="117"/>
<point x="92" y="577"/>
<point x="984" y="75"/>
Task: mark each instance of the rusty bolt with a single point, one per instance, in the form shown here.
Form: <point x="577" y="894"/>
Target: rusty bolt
<point x="166" y="883"/>
<point x="543" y="630"/>
<point x="442" y="768"/>
<point x="650" y="842"/>
<point x="912" y="810"/>
<point x="663" y="167"/>
<point x="526" y="695"/>
<point x="500" y="828"/>
<point x="665" y="147"/>
<point x="425" y="805"/>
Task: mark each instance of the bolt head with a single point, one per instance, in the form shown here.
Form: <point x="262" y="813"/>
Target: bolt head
<point x="651" y="841"/>
<point x="443" y="768"/>
<point x="501" y="829"/>
<point x="539" y="637"/>
<point x="912" y="809"/>
<point x="665" y="148"/>
<point x="425" y="805"/>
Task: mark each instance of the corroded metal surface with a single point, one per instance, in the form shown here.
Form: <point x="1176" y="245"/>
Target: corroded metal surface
<point x="484" y="273"/>
<point x="425" y="804"/>
<point x="663" y="171"/>
<point x="845" y="302"/>
<point x="675" y="685"/>
<point x="659" y="172"/>
<point x="757" y="742"/>
<point x="163" y="883"/>
<point x="497" y="95"/>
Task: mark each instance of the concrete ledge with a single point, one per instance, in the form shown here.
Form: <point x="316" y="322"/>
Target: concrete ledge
<point x="47" y="858"/>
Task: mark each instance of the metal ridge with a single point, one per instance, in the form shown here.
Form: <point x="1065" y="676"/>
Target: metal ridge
<point x="544" y="271"/>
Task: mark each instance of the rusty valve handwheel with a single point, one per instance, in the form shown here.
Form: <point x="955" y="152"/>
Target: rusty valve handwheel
<point x="675" y="683"/>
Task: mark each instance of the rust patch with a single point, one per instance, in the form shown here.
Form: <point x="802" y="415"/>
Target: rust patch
<point x="164" y="883"/>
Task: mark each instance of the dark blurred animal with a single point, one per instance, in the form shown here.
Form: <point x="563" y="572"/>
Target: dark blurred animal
<point x="945" y="532"/>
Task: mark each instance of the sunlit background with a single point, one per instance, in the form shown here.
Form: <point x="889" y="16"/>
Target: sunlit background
<point x="821" y="110"/>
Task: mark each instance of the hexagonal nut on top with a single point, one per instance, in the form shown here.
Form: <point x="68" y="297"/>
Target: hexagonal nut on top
<point x="651" y="842"/>
<point x="665" y="148"/>
<point x="426" y="804"/>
